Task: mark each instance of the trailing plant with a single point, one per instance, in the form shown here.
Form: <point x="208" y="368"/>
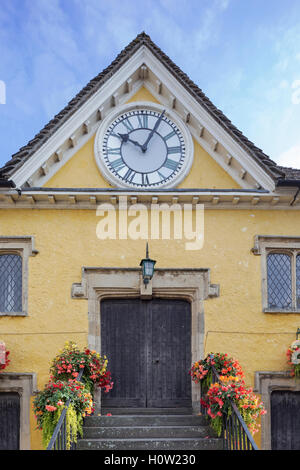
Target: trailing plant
<point x="49" y="404"/>
<point x="64" y="388"/>
<point x="293" y="356"/>
<point x="218" y="396"/>
<point x="231" y="390"/>
<point x="71" y="360"/>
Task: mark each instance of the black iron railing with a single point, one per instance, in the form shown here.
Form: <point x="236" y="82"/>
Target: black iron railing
<point x="58" y="440"/>
<point x="235" y="433"/>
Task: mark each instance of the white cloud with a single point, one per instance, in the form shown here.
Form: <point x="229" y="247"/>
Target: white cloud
<point x="290" y="158"/>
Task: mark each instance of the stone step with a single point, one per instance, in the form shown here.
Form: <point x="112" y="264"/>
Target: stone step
<point x="147" y="411"/>
<point x="144" y="420"/>
<point x="124" y="432"/>
<point x="151" y="444"/>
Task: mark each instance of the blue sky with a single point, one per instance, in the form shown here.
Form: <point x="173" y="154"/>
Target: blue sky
<point x="244" y="54"/>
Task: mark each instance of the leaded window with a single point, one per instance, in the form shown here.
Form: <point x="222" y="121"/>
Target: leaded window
<point x="10" y="283"/>
<point x="283" y="280"/>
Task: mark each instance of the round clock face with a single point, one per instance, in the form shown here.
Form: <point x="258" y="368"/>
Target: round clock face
<point x="142" y="147"/>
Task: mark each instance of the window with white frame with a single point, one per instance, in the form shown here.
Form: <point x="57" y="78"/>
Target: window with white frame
<point x="280" y="265"/>
<point x="14" y="254"/>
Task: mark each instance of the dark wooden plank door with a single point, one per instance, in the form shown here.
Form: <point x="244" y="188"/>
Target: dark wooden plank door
<point x="123" y="340"/>
<point x="148" y="346"/>
<point x="9" y="421"/>
<point x="285" y="420"/>
<point x="169" y="340"/>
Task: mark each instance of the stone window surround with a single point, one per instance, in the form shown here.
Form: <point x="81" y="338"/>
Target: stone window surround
<point x="189" y="284"/>
<point x="25" y="385"/>
<point x="24" y="247"/>
<point x="265" y="383"/>
<point x="265" y="244"/>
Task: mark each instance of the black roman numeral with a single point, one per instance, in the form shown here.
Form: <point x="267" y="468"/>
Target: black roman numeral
<point x="162" y="177"/>
<point x="143" y="120"/>
<point x="113" y="151"/>
<point x="174" y="150"/>
<point x="130" y="174"/>
<point x="127" y="124"/>
<point x="171" y="164"/>
<point x="168" y="136"/>
<point x="117" y="164"/>
<point x="145" y="179"/>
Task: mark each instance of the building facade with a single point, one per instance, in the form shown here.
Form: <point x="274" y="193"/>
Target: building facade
<point x="142" y="155"/>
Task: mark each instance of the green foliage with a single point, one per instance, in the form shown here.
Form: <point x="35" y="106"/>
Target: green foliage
<point x="217" y="425"/>
<point x="71" y="360"/>
<point x="49" y="422"/>
<point x="230" y="388"/>
<point x="63" y="388"/>
<point x="73" y="426"/>
<point x="49" y="404"/>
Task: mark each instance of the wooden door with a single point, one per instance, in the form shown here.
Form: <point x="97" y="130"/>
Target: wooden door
<point x="148" y="346"/>
<point x="169" y="346"/>
<point x="123" y="340"/>
<point x="9" y="421"/>
<point x="285" y="420"/>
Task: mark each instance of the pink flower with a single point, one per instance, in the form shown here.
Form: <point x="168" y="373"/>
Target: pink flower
<point x="50" y="408"/>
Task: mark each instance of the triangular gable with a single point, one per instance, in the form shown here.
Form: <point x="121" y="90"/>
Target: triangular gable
<point x="81" y="170"/>
<point x="141" y="64"/>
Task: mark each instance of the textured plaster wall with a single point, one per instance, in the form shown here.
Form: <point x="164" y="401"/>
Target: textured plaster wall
<point x="66" y="240"/>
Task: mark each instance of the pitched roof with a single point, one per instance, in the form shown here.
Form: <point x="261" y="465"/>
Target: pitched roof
<point x="20" y="157"/>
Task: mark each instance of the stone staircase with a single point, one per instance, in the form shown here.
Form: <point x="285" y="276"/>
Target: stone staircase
<point x="148" y="429"/>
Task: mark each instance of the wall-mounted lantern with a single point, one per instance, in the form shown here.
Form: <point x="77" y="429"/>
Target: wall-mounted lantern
<point x="147" y="267"/>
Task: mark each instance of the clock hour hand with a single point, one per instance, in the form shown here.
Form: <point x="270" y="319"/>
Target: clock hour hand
<point x="126" y="138"/>
<point x="144" y="146"/>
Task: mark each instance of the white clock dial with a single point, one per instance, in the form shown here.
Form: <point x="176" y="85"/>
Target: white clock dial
<point x="142" y="147"/>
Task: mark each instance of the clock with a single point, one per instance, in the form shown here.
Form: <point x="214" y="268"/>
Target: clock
<point x="143" y="146"/>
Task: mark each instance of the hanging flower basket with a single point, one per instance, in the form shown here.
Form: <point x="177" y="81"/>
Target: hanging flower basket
<point x="64" y="387"/>
<point x="220" y="396"/>
<point x="293" y="356"/>
<point x="224" y="365"/>
<point x="7" y="361"/>
<point x="49" y="404"/>
<point x="217" y="397"/>
<point x="68" y="363"/>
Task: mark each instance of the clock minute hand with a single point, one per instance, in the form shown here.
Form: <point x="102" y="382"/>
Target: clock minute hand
<point x="144" y="146"/>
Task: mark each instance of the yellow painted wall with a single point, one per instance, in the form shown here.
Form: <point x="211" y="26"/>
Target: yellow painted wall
<point x="81" y="171"/>
<point x="66" y="240"/>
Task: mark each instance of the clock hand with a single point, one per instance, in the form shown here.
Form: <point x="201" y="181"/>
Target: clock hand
<point x="144" y="146"/>
<point x="126" y="138"/>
